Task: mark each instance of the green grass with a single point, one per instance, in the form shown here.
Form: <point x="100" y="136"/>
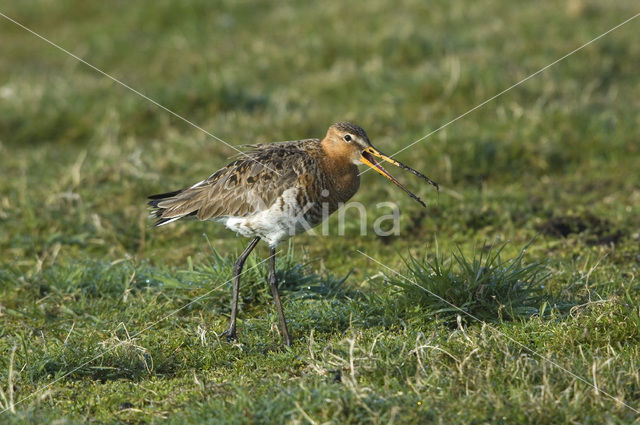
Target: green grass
<point x="484" y="288"/>
<point x="105" y="319"/>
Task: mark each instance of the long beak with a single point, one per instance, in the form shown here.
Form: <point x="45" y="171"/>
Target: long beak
<point x="368" y="159"/>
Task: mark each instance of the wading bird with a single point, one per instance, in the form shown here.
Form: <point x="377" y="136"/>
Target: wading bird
<point x="278" y="190"/>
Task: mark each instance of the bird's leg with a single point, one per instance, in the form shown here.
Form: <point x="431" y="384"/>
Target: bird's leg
<point x="237" y="270"/>
<point x="273" y="283"/>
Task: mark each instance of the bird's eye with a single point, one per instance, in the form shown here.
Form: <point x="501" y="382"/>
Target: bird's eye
<point x="347" y="138"/>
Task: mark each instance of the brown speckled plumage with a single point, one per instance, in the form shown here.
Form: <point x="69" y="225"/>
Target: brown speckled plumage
<point x="278" y="190"/>
<point x="245" y="185"/>
<point x="256" y="181"/>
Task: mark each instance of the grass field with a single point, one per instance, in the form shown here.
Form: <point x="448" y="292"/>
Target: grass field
<point x="535" y="232"/>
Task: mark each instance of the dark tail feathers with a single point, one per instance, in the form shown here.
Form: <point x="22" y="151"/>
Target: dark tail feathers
<point x="155" y="200"/>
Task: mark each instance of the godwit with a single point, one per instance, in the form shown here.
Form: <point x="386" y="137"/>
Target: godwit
<point x="276" y="191"/>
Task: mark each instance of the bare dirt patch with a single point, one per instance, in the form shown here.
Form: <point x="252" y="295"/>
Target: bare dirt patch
<point x="597" y="230"/>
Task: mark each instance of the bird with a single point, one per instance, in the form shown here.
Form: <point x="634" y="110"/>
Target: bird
<point x="277" y="190"/>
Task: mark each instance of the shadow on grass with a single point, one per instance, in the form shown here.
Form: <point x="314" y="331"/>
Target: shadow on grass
<point x="296" y="278"/>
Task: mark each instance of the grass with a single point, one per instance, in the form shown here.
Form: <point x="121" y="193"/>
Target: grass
<point x="483" y="288"/>
<point x="105" y="319"/>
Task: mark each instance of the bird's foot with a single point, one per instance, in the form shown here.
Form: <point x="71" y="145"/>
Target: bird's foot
<point x="230" y="334"/>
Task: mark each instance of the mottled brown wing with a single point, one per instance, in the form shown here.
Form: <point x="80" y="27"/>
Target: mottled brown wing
<point x="251" y="183"/>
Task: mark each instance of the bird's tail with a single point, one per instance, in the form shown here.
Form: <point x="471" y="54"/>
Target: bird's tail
<point x="166" y="207"/>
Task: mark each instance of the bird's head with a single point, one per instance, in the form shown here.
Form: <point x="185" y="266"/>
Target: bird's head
<point x="349" y="141"/>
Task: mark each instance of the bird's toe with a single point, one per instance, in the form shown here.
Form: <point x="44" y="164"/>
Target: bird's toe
<point x="230" y="334"/>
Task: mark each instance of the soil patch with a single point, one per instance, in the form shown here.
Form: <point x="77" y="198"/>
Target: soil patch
<point x="598" y="231"/>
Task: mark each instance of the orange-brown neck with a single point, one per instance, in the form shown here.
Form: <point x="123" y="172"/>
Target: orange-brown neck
<point x="339" y="167"/>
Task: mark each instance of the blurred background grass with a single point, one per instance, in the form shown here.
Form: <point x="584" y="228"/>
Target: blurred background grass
<point x="246" y="72"/>
<point x="557" y="157"/>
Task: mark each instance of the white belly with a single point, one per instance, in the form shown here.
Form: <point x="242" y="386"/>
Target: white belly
<point x="283" y="220"/>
